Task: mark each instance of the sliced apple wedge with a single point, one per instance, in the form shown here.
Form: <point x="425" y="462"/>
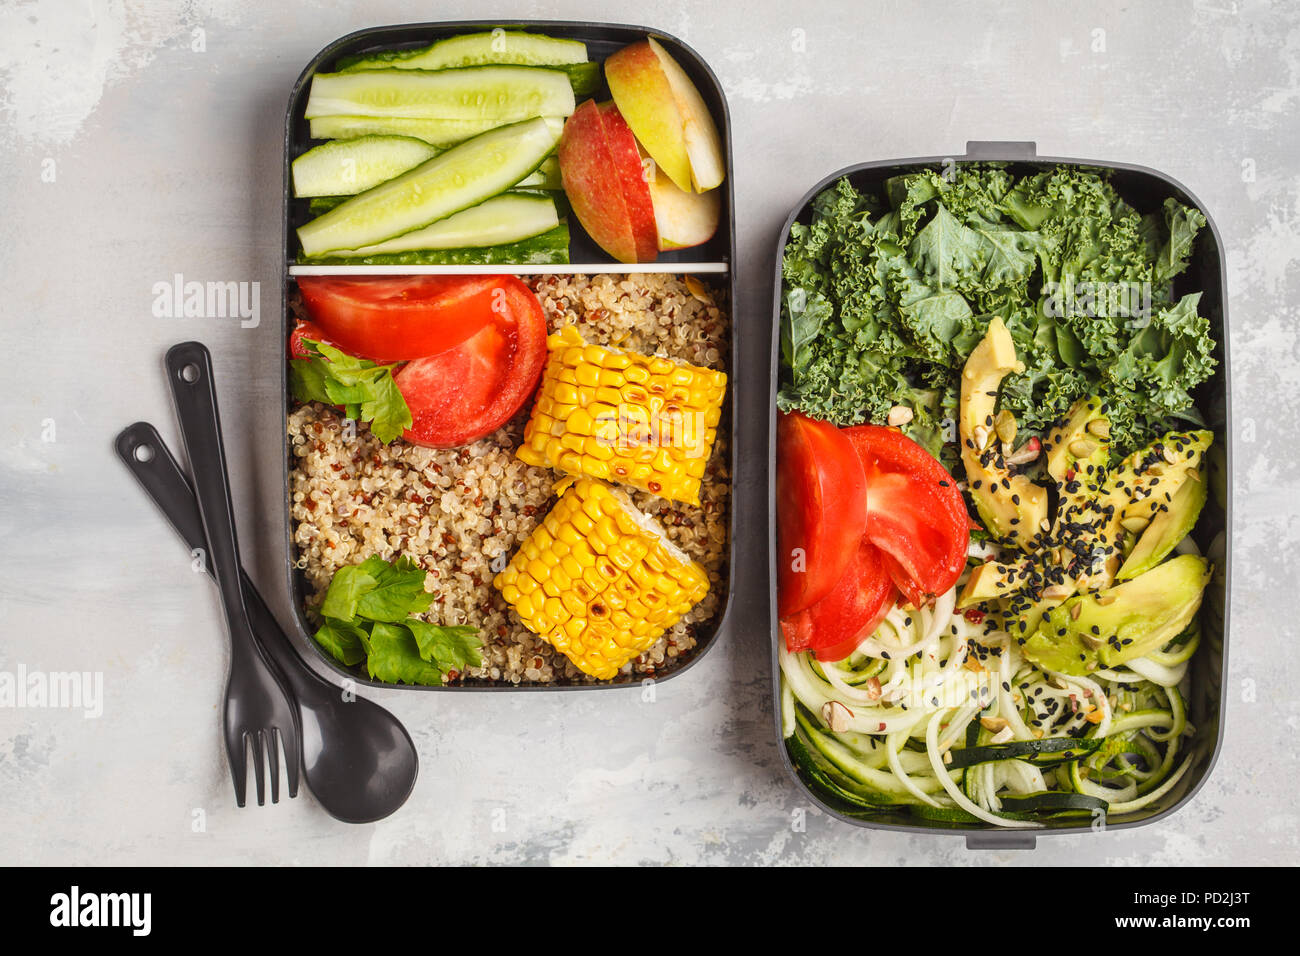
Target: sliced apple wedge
<point x="630" y="173"/>
<point x="591" y="184"/>
<point x="645" y="97"/>
<point x="683" y="219"/>
<point x="699" y="132"/>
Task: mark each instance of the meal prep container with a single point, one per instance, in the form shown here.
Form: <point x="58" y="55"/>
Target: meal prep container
<point x="714" y="258"/>
<point x="1145" y="189"/>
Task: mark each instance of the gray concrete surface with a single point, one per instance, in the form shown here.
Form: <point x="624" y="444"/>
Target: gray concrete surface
<point x="142" y="140"/>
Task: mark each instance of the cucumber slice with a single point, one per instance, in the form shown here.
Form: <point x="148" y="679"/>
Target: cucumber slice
<point x="351" y="166"/>
<point x="323" y="204"/>
<point x="461" y="177"/>
<point x="545" y="176"/>
<point x="508" y="217"/>
<point x="474" y="49"/>
<point x="544" y="181"/>
<point x="501" y="93"/>
<point x="583" y="77"/>
<point x="435" y="132"/>
<point x="549" y="248"/>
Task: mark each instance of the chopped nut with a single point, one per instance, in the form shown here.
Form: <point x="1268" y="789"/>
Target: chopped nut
<point x="1083" y="447"/>
<point x="1091" y="641"/>
<point x="1056" y="592"/>
<point x="1076" y="611"/>
<point x="1045" y="525"/>
<point x="993" y="724"/>
<point x="1025" y="453"/>
<point x="899" y="415"/>
<point x="1099" y="427"/>
<point x="873" y="689"/>
<point x="836" y="716"/>
<point x="1106" y="599"/>
<point x="1194" y="474"/>
<point x="1169" y="455"/>
<point x="1003" y="735"/>
<point x="981" y="436"/>
<point x="1056" y="682"/>
<point x="947" y="756"/>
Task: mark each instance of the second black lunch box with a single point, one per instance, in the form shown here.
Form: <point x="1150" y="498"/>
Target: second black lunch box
<point x="1145" y="189"/>
<point x="715" y="259"/>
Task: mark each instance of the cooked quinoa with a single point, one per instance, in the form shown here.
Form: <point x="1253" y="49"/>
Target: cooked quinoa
<point x="461" y="513"/>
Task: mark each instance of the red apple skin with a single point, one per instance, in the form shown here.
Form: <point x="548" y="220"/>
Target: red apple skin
<point x="631" y="176"/>
<point x="590" y="183"/>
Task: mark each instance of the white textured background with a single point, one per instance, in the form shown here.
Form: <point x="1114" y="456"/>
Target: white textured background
<point x="168" y="160"/>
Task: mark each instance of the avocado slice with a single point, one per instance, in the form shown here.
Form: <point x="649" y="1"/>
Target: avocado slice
<point x="1078" y="451"/>
<point x="1013" y="508"/>
<point x="990" y="581"/>
<point x="1166" y="529"/>
<point x="1157" y="472"/>
<point x="1123" y="622"/>
<point x="1142" y="486"/>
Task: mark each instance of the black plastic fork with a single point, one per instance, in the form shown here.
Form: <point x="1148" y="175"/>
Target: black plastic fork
<point x="259" y="714"/>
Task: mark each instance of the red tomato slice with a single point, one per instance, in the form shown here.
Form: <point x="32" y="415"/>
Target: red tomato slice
<point x="834" y="627"/>
<point x="304" y="330"/>
<point x="821" y="509"/>
<point x="471" y="390"/>
<point x="392" y="318"/>
<point x="915" y="513"/>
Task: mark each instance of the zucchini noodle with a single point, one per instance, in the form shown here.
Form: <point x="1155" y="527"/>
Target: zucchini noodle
<point x="887" y="727"/>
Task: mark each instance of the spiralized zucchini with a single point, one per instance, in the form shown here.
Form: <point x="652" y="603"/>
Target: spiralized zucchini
<point x="882" y="726"/>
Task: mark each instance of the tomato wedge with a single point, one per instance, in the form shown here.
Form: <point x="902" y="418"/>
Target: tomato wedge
<point x="304" y="330"/>
<point x="915" y="513"/>
<point x="821" y="510"/>
<point x="469" y="391"/>
<point x="834" y="627"/>
<point x="392" y="318"/>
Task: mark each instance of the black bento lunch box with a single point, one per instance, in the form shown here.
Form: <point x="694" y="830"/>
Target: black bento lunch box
<point x="1145" y="189"/>
<point x="715" y="259"/>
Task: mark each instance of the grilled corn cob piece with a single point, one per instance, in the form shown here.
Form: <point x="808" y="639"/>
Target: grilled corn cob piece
<point x="637" y="420"/>
<point x="599" y="580"/>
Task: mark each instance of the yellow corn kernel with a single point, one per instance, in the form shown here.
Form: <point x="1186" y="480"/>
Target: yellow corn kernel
<point x="588" y="375"/>
<point x="595" y="580"/>
<point x="600" y="585"/>
<point x="614" y="359"/>
<point x="662" y="413"/>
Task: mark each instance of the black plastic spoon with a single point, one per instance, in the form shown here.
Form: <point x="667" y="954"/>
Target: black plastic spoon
<point x="358" y="760"/>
